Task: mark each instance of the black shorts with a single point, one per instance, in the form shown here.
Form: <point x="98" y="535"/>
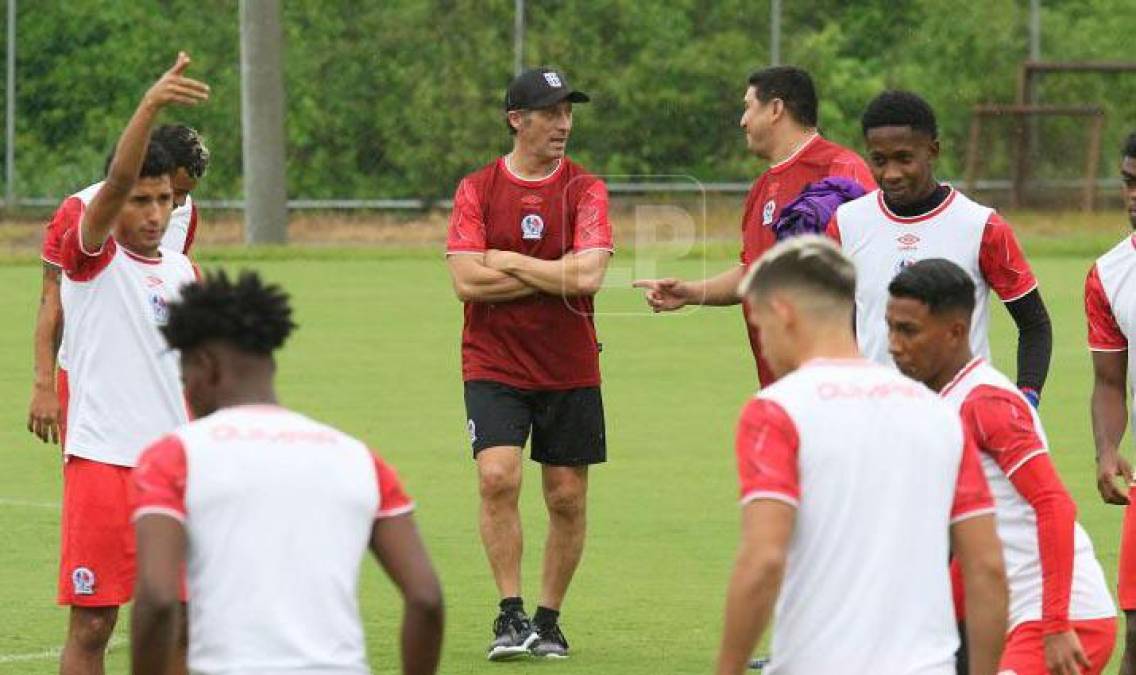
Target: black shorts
<point x="567" y="426"/>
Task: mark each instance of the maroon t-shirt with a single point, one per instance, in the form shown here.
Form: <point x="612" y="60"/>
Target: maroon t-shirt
<point x="541" y="341"/>
<point x="816" y="160"/>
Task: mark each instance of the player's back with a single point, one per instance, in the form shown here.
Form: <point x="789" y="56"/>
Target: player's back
<point x="280" y="510"/>
<point x="867" y="586"/>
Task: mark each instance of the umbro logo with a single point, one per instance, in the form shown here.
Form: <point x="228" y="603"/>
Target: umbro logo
<point x="907" y="241"/>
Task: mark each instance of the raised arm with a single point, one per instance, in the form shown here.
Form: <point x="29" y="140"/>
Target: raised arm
<point x="399" y="549"/>
<point x="130" y="151"/>
<point x="669" y="294"/>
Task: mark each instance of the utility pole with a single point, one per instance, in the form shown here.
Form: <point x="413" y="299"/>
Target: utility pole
<point x="774" y="32"/>
<point x="10" y="114"/>
<point x="519" y="37"/>
<point x="262" y="122"/>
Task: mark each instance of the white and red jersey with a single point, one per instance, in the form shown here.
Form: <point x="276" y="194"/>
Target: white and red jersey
<point x="968" y="234"/>
<point x="1110" y="304"/>
<point x="179" y="234"/>
<point x="1052" y="570"/>
<point x="278" y="511"/>
<point x="125" y="384"/>
<point x="878" y="469"/>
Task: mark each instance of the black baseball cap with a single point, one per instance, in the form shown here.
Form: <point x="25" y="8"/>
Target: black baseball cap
<point x="539" y="88"/>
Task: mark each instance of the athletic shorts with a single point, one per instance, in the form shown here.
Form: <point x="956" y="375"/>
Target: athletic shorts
<point x="1024" y="653"/>
<point x="62" y="389"/>
<point x="96" y="566"/>
<point x="1126" y="575"/>
<point x="567" y="426"/>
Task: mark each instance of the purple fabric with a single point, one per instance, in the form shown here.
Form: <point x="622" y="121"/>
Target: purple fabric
<point x="810" y="212"/>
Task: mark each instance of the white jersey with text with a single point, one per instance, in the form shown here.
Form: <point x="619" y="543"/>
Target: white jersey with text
<point x="878" y="469"/>
<point x="124" y="380"/>
<point x="278" y="511"/>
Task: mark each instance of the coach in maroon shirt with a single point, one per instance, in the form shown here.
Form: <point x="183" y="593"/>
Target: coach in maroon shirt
<point x="528" y="245"/>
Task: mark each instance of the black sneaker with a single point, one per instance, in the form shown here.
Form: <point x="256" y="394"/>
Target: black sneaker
<point x="550" y="643"/>
<point x="513" y="635"/>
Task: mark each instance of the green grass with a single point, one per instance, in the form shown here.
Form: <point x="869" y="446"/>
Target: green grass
<point x="377" y="355"/>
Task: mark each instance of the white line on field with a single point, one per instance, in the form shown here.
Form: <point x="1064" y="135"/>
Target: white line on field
<point x="52" y="653"/>
<point x="5" y="501"/>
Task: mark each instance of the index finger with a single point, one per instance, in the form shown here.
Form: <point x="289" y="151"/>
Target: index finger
<point x="645" y="283"/>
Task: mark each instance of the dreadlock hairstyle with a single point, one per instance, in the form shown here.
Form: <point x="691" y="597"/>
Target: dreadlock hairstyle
<point x="248" y="314"/>
<point x="185" y="144"/>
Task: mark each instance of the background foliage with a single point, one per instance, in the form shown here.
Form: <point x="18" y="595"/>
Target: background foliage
<point x="399" y="98"/>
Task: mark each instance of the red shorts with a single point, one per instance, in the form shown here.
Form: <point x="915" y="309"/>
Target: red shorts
<point x="64" y="393"/>
<point x="1025" y="647"/>
<point x="96" y="567"/>
<point x="1126" y="575"/>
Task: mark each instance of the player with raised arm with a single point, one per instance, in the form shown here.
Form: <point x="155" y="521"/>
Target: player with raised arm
<point x="913" y="217"/>
<point x="528" y="246"/>
<point x="842" y="450"/>
<point x="125" y="387"/>
<point x="780" y="124"/>
<point x="1062" y="618"/>
<point x="1110" y="307"/>
<point x="47" y="413"/>
<point x="268" y="510"/>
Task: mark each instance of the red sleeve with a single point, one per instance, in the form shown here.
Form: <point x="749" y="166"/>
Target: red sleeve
<point x="467" y="229"/>
<point x="191" y="231"/>
<point x="393" y="500"/>
<point x="1104" y="333"/>
<point x="1003" y="427"/>
<point x="67" y="216"/>
<point x="78" y="264"/>
<point x="1039" y="484"/>
<point x="851" y="166"/>
<point x="972" y="493"/>
<point x="593" y="229"/>
<point x="1002" y="261"/>
<point x="833" y="229"/>
<point x="159" y="480"/>
<point x="766" y="448"/>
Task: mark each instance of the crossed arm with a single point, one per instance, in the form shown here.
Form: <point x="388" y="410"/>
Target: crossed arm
<point x="501" y="276"/>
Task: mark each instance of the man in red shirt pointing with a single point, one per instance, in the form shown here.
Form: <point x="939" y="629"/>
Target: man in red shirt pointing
<point x="780" y="123"/>
<point x="528" y="246"/>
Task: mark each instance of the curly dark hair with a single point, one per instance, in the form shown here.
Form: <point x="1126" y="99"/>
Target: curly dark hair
<point x="185" y="144"/>
<point x="248" y="314"/>
<point x="900" y="109"/>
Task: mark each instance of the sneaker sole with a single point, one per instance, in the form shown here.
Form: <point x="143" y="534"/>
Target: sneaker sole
<point x="509" y="653"/>
<point x="551" y="657"/>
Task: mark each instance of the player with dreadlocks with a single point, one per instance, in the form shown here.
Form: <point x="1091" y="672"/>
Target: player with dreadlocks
<point x="268" y="510"/>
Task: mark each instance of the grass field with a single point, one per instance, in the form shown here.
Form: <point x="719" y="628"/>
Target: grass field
<point x="377" y="355"/>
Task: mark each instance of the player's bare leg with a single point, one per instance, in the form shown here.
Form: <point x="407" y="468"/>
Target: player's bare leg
<point x="1128" y="661"/>
<point x="88" y="633"/>
<point x="499" y="482"/>
<point x="566" y="497"/>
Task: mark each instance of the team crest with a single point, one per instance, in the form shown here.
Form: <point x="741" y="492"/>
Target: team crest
<point x="767" y="212"/>
<point x="904" y="263"/>
<point x="532" y="226"/>
<point x="83" y="580"/>
<point x="553" y="80"/>
<point x="160" y="309"/>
